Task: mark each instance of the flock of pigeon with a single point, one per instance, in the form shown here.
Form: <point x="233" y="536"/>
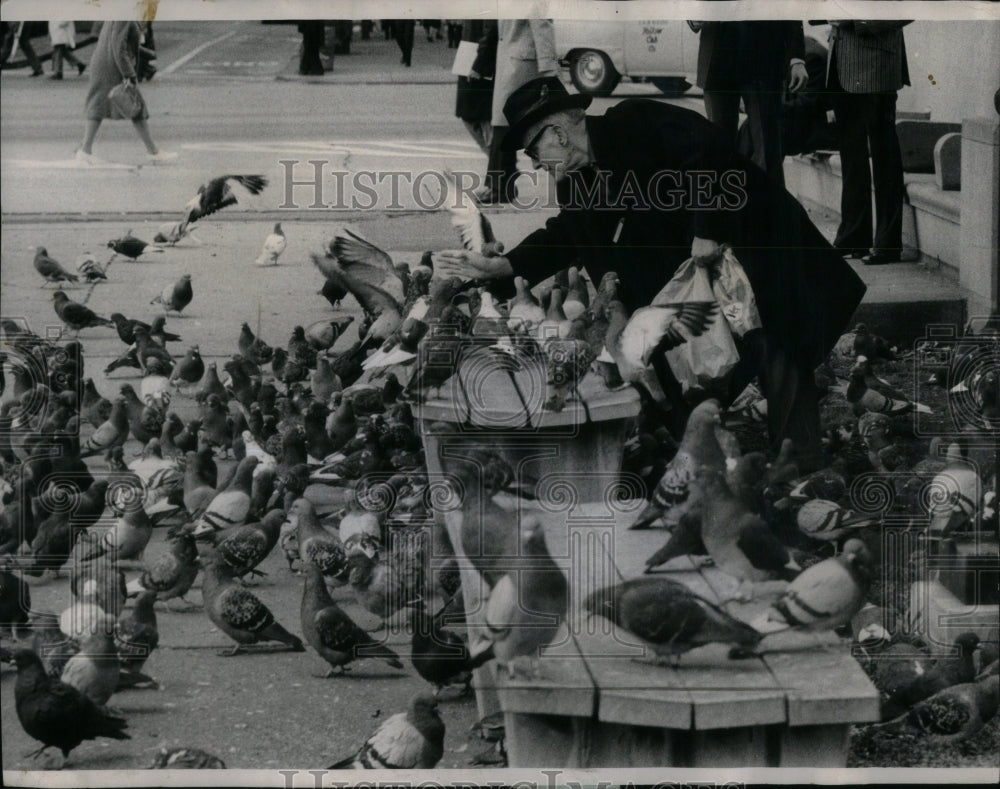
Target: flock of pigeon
<point x="291" y="420"/>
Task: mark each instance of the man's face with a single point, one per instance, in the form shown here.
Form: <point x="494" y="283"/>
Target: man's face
<point x="543" y="144"/>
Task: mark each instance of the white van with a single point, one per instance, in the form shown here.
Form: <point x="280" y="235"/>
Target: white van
<point x="599" y="53"/>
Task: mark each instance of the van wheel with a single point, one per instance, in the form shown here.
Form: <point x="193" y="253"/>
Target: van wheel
<point x="593" y="73"/>
<point x="671" y="86"/>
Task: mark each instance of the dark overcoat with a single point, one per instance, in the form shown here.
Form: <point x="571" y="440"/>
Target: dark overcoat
<point x="665" y="175"/>
<point x="733" y="54"/>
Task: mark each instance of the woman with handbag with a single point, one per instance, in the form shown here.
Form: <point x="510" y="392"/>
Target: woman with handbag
<point x="114" y="93"/>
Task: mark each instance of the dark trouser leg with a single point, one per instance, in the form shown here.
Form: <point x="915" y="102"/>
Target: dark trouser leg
<point x="792" y="406"/>
<point x="29" y="53"/>
<point x="855" y="231"/>
<point x="723" y="109"/>
<point x="501" y="169"/>
<point x="57" y="58"/>
<point x="763" y="105"/>
<point x="887" y="171"/>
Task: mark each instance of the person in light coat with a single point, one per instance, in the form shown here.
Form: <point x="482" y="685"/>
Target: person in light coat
<point x="526" y="48"/>
<point x="63" y="37"/>
<point x="114" y="61"/>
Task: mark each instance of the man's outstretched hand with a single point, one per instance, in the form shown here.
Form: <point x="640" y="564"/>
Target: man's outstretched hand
<point x="471" y="265"/>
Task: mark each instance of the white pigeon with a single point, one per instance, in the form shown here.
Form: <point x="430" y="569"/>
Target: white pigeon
<point x="274" y="245"/>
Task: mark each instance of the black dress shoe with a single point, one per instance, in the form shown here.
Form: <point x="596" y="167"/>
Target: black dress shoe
<point x="879" y="257"/>
<point x="852" y="252"/>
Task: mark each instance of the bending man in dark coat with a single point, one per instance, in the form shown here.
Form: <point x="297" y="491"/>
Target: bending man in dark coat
<point x="648" y="185"/>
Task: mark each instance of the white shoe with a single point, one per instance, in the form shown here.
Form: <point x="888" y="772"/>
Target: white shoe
<point x="88" y="159"/>
<point x="162" y="156"/>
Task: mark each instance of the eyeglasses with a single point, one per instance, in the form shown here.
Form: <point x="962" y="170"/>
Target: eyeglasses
<point x="529" y="149"/>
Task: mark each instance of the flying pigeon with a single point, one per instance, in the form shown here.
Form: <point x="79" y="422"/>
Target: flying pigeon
<point x="218" y="194"/>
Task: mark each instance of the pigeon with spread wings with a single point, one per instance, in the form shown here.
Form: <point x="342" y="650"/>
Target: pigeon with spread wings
<point x="473" y="227"/>
<point x="218" y="194"/>
<point x="368" y="274"/>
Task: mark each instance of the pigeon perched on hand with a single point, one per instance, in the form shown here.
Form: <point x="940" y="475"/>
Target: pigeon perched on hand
<point x="274" y="245"/>
<point x="407" y="740"/>
<point x="669" y="618"/>
<point x="239" y="613"/>
<point x="51" y="269"/>
<point x="57" y="714"/>
<point x="825" y="595"/>
<point x="175" y="297"/>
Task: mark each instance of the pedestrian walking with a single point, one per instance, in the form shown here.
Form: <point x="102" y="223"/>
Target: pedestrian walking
<point x="474" y="97"/>
<point x="526" y="48"/>
<point x="454" y="32"/>
<point x="867" y="67"/>
<point x="114" y="62"/>
<point x="147" y="53"/>
<point x="433" y="28"/>
<point x="404" y="29"/>
<point x="63" y="37"/>
<point x="313" y="36"/>
<point x="25" y="31"/>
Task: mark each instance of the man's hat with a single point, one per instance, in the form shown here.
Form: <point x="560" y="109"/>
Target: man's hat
<point x="533" y="101"/>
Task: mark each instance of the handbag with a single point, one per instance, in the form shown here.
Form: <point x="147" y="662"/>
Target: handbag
<point x="703" y="362"/>
<point x="126" y="100"/>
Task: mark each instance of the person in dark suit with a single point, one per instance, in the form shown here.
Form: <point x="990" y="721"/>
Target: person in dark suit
<point x="474" y="98"/>
<point x="403" y="29"/>
<point x="751" y="61"/>
<point x="628" y="188"/>
<point x="313" y="35"/>
<point x="866" y="68"/>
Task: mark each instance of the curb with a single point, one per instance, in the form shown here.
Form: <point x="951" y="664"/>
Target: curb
<point x="290" y="73"/>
